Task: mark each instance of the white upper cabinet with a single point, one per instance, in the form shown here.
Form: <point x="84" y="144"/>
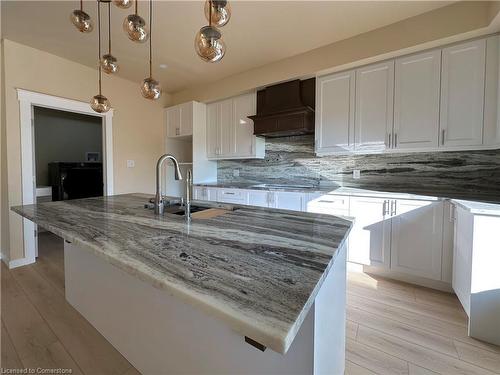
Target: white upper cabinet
<point x="416" y="101"/>
<point x="335" y="112"/>
<point x="374" y="106"/>
<point x="244" y="140"/>
<point x="440" y="99"/>
<point x="179" y="120"/>
<point x="230" y="131"/>
<point x="462" y="94"/>
<point x="213" y="130"/>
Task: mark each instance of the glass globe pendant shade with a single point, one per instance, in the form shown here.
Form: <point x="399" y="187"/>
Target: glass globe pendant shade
<point x="150" y="88"/>
<point x="124" y="4"/>
<point x="109" y="64"/>
<point x="136" y="29"/>
<point x="81" y="20"/>
<point x="209" y="45"/>
<point x="221" y="12"/>
<point x="100" y="103"/>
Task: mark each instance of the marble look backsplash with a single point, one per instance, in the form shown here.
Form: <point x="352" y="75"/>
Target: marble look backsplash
<point x="464" y="174"/>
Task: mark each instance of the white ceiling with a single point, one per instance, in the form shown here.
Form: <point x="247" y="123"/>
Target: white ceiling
<point x="259" y="32"/>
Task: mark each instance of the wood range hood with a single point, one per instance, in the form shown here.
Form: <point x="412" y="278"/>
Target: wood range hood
<point x="285" y="109"/>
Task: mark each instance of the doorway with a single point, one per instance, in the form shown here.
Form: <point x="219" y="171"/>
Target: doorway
<point x="31" y="103"/>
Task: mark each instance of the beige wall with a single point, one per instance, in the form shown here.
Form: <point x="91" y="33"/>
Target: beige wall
<point x="138" y="131"/>
<point x="450" y="23"/>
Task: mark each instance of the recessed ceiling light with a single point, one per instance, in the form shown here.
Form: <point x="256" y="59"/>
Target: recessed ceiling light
<point x="163" y="66"/>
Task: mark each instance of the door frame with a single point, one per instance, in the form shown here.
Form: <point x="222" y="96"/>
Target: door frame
<point x="27" y="101"/>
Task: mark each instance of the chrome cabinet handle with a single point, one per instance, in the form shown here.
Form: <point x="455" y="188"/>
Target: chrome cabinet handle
<point x="394" y="208"/>
<point x="384" y="208"/>
<point x="443" y="132"/>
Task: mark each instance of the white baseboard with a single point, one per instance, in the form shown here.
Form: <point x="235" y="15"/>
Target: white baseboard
<point x="416" y="280"/>
<point x="20" y="262"/>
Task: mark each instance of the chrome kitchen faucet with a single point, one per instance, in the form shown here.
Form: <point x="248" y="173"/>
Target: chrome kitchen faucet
<point x="159" y="203"/>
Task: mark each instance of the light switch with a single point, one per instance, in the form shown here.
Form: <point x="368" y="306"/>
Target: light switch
<point x="236" y="173"/>
<point x="356" y="174"/>
<point x="130" y="163"/>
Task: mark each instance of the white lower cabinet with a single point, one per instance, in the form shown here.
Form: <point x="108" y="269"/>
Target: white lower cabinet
<point x="260" y="198"/>
<point x="370" y="237"/>
<point x="462" y="256"/>
<point x="476" y="280"/>
<point x="287" y="200"/>
<point x="417" y="238"/>
<point x="404" y="236"/>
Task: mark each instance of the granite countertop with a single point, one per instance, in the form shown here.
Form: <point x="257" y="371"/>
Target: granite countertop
<point x="257" y="269"/>
<point x="319" y="189"/>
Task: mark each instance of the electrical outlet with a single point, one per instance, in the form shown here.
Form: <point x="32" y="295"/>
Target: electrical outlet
<point x="356" y="174"/>
<point x="236" y="173"/>
<point x="130" y="163"/>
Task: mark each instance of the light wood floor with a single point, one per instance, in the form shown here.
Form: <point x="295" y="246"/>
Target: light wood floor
<point x="392" y="328"/>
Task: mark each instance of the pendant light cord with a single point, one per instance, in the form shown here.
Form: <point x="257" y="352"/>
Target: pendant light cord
<point x="150" y="37"/>
<point x="109" y="28"/>
<point x="99" y="41"/>
<point x="81" y="5"/>
<point x="210" y="13"/>
<point x="136" y="1"/>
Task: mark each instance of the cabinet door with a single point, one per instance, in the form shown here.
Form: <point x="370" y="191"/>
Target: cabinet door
<point x="173" y="121"/>
<point x="335" y="112"/>
<point x="462" y="256"/>
<point x="417" y="238"/>
<point x="186" y="118"/>
<point x="369" y="240"/>
<point x="374" y="106"/>
<point x="416" y="100"/>
<point x="226" y="129"/>
<point x="258" y="198"/>
<point x="462" y="94"/>
<point x="244" y="140"/>
<point x="212" y="130"/>
<point x="289" y="200"/>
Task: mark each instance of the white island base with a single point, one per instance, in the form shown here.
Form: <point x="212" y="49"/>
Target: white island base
<point x="160" y="334"/>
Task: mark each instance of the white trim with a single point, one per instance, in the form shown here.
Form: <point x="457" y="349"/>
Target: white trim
<point x="27" y="100"/>
<point x="21" y="262"/>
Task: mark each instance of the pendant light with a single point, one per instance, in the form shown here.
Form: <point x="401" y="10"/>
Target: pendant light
<point x="123" y="4"/>
<point x="81" y="20"/>
<point x="150" y="87"/>
<point x="208" y="41"/>
<point x="99" y="102"/>
<point x="135" y="27"/>
<point x="221" y="12"/>
<point x="108" y="62"/>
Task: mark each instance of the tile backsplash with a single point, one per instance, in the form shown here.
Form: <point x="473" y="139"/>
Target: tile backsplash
<point x="454" y="174"/>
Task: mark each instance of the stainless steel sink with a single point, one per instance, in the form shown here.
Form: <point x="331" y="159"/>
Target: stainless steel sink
<point x="178" y="209"/>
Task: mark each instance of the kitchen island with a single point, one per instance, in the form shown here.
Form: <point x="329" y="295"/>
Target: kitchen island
<point x="246" y="290"/>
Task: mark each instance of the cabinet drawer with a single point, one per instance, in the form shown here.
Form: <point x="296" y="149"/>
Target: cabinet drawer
<point x="232" y="196"/>
<point x="329" y="202"/>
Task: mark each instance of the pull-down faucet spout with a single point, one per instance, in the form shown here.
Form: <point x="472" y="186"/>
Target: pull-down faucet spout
<point x="159" y="204"/>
